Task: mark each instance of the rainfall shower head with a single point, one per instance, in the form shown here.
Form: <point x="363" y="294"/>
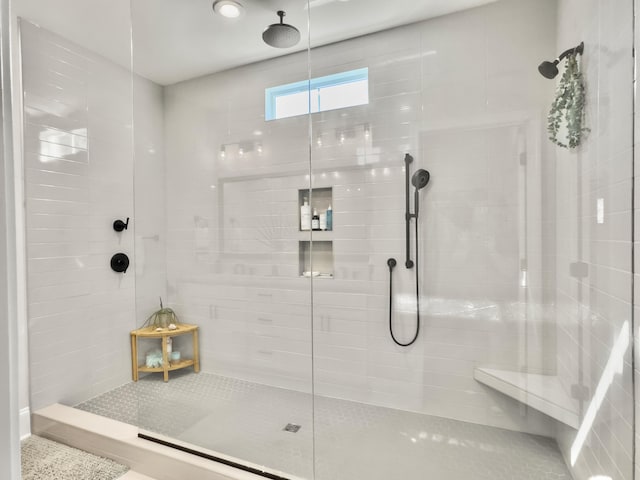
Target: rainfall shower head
<point x="281" y="35"/>
<point x="550" y="69"/>
<point x="420" y="178"/>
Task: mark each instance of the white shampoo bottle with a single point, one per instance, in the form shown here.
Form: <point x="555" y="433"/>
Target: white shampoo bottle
<point x="305" y="215"/>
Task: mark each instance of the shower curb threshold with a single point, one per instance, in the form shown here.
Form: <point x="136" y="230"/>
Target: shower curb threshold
<point x="541" y="392"/>
<point x="119" y="441"/>
<point x="133" y="475"/>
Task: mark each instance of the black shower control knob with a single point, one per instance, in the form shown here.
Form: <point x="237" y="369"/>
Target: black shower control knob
<point x="120" y="262"/>
<point x="119" y="225"/>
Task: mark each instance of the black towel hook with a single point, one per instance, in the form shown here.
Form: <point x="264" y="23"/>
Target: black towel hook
<point x="119" y="225"/>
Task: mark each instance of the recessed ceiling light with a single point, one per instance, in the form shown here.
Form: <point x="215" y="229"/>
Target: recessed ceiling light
<point x="228" y="8"/>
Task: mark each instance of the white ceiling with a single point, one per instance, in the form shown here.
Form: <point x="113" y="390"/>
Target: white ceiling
<point x="176" y="40"/>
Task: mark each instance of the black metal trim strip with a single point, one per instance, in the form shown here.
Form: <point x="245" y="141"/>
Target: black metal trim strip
<point x="229" y="463"/>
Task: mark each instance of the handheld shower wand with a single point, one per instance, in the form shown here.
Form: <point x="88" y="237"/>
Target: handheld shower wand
<point x="419" y="180"/>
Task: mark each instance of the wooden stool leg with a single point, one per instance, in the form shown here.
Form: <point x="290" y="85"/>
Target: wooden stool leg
<point x="134" y="357"/>
<point x="196" y="352"/>
<point x="165" y="359"/>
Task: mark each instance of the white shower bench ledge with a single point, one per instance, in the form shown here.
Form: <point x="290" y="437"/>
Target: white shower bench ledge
<point x="542" y="392"/>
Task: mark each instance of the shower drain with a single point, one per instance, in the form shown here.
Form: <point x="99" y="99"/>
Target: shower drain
<point x="291" y="427"/>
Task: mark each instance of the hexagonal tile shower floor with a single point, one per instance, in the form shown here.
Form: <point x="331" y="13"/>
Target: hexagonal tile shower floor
<point x="351" y="440"/>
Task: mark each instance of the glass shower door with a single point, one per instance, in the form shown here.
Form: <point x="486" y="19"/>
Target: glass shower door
<point x="391" y="271"/>
<point x="520" y="249"/>
<point x="73" y="70"/>
<point x="219" y="234"/>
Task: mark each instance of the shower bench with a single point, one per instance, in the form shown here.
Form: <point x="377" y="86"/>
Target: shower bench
<point x="164" y="334"/>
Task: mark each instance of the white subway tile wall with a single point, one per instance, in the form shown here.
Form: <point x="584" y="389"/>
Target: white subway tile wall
<point x="79" y="178"/>
<point x="150" y="181"/>
<point x="233" y="221"/>
<point x="459" y="94"/>
<point x="594" y="303"/>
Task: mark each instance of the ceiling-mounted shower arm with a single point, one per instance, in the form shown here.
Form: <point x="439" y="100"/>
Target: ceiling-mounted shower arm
<point x="407" y="213"/>
<point x="281" y="35"/>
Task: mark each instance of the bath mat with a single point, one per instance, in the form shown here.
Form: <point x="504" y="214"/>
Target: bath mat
<point x="44" y="459"/>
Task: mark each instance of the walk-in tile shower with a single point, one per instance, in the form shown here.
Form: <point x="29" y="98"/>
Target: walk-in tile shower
<point x="395" y="274"/>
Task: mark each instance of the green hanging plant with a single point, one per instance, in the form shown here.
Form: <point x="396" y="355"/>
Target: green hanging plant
<point x="568" y="106"/>
<point x="161" y="318"/>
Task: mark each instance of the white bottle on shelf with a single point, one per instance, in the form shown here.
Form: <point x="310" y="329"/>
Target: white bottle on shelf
<point x="305" y="215"/>
<point x="323" y="220"/>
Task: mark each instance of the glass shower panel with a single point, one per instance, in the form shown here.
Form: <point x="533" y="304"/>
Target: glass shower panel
<point x="219" y="238"/>
<point x="521" y="356"/>
<point x="78" y="178"/>
<point x="357" y="257"/>
<point x="361" y="380"/>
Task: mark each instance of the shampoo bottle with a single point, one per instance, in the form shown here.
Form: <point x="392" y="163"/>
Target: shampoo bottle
<point x="329" y="218"/>
<point x="305" y="215"/>
<point x="315" y="220"/>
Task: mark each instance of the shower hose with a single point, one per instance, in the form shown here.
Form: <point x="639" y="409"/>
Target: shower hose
<point x="392" y="264"/>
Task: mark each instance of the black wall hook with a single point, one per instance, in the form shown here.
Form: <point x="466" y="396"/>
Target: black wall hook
<point x="119" y="225"/>
<point x="120" y="263"/>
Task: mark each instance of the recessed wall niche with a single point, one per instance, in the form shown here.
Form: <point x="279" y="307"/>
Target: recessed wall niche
<point x="316" y="259"/>
<point x="318" y="199"/>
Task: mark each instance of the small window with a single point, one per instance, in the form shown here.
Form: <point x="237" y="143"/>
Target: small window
<point x="346" y="89"/>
